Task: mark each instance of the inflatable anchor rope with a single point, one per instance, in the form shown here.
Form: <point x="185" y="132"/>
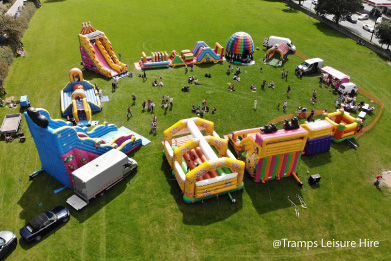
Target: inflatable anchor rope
<point x="303" y="205"/>
<point x="295" y="206"/>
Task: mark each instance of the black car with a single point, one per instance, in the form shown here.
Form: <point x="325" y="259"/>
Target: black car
<point x="44" y="222"/>
<point x="8" y="243"/>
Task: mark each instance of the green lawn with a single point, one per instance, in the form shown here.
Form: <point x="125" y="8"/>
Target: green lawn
<point x="144" y="217"/>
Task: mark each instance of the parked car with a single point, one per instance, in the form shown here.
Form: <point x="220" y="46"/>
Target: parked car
<point x="352" y="19"/>
<point x="44" y="222"/>
<point x="368" y="27"/>
<point x="363" y="17"/>
<point x="8" y="242"/>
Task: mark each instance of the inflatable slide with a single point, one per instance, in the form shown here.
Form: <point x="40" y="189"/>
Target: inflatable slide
<point x="79" y="99"/>
<point x="63" y="148"/>
<point x="97" y="53"/>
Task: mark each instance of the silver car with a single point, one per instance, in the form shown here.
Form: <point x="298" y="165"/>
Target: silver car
<point x="8" y="243"/>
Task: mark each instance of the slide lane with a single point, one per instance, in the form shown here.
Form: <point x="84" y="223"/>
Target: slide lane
<point x="102" y="60"/>
<point x="196" y="157"/>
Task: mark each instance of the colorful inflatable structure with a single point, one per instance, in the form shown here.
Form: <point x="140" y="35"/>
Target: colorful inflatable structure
<point x="270" y="154"/>
<point x="79" y="99"/>
<point x="203" y="166"/>
<point x="63" y="148"/>
<point x="97" y="53"/>
<point x="344" y="126"/>
<point x="280" y="48"/>
<point x="320" y="135"/>
<point x="201" y="53"/>
<point x="156" y="60"/>
<point x="240" y="48"/>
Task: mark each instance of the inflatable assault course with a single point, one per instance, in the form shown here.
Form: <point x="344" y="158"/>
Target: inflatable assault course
<point x="63" y="148"/>
<point x="203" y="166"/>
<point x="79" y="99"/>
<point x="201" y="53"/>
<point x="97" y="53"/>
<point x="273" y="154"/>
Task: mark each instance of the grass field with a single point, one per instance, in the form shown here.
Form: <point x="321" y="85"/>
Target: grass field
<point x="144" y="217"/>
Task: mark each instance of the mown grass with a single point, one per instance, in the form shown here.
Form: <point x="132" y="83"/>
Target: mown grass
<point x="144" y="217"/>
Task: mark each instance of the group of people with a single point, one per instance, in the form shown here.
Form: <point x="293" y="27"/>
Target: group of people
<point x="166" y="100"/>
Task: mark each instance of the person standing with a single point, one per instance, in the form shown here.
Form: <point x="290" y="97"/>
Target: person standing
<point x="129" y="113"/>
<point x="261" y="69"/>
<point x="133" y="98"/>
<point x="283" y="73"/>
<point x="288" y="90"/>
<point x="145" y="75"/>
<point x="191" y="66"/>
<point x="143" y="105"/>
<point x="285" y="105"/>
<point x="113" y="86"/>
<point x="171" y="102"/>
<point x="255" y="104"/>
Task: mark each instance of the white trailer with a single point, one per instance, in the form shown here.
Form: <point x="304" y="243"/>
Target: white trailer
<point x="99" y="175"/>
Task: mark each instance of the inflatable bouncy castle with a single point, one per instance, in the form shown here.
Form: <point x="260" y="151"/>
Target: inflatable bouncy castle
<point x="240" y="48"/>
<point x="203" y="166"/>
<point x="79" y="99"/>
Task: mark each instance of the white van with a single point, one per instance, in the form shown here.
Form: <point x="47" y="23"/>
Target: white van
<point x="348" y="88"/>
<point x="272" y="40"/>
<point x="313" y="65"/>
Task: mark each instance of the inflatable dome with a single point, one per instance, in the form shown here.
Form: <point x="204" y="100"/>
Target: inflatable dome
<point x="240" y="48"/>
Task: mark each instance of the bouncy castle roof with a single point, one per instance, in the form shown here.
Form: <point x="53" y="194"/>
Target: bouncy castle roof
<point x="240" y="42"/>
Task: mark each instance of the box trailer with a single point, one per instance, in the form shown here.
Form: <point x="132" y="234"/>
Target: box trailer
<point x="99" y="175"/>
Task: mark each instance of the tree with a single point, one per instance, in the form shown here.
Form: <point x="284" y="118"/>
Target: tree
<point x="11" y="28"/>
<point x="339" y="8"/>
<point x="383" y="33"/>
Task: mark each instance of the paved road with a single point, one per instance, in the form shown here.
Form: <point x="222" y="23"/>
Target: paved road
<point x="356" y="28"/>
<point x="14" y="8"/>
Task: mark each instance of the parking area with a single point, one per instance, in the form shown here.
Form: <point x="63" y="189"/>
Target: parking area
<point x="356" y="27"/>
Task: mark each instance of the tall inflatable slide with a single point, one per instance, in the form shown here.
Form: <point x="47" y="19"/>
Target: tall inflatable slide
<point x="97" y="53"/>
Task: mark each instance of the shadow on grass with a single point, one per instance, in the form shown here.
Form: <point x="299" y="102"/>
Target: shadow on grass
<point x="344" y="146"/>
<point x="53" y="1"/>
<point x="272" y="195"/>
<point x="329" y="31"/>
<point x="317" y="160"/>
<point x="210" y="211"/>
<point x="290" y="10"/>
<point x="90" y="76"/>
<point x="40" y="197"/>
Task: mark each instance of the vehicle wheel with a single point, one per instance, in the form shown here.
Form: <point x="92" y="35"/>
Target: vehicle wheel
<point x="65" y="220"/>
<point x="38" y="238"/>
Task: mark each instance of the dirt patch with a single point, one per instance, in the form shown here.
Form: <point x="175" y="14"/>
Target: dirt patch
<point x="9" y="99"/>
<point x="386" y="180"/>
